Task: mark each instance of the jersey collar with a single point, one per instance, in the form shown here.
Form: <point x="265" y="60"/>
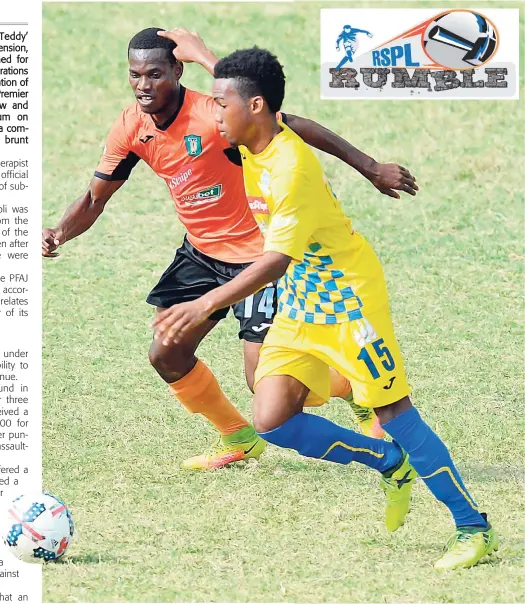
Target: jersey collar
<point x="170" y="121"/>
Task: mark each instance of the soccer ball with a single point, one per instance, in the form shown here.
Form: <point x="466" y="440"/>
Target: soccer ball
<point x="460" y="39"/>
<point x="39" y="528"/>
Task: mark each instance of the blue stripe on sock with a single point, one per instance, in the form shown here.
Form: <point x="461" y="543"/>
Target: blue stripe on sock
<point x="431" y="459"/>
<point x="315" y="436"/>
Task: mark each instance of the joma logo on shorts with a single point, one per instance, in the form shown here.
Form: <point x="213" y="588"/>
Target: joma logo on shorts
<point x="205" y="196"/>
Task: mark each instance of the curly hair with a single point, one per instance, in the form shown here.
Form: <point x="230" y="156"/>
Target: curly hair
<point x="147" y="39"/>
<point x="258" y="72"/>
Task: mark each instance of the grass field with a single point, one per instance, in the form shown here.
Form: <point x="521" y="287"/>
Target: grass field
<point x="286" y="529"/>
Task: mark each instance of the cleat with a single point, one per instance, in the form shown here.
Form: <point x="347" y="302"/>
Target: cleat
<point x="467" y="546"/>
<point x="225" y="453"/>
<point x="366" y="419"/>
<point x="397" y="489"/>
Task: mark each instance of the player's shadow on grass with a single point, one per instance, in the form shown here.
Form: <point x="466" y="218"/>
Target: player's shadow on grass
<point x="87" y="558"/>
<point x="488" y="473"/>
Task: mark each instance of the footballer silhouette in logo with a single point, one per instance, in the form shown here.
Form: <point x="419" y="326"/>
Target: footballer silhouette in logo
<point x="349" y="39"/>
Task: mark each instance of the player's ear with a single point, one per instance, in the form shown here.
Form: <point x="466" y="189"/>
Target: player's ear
<point x="256" y="104"/>
<point x="179" y="69"/>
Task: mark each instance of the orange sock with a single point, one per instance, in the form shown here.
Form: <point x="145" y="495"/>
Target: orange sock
<point x="339" y="385"/>
<point x="200" y="392"/>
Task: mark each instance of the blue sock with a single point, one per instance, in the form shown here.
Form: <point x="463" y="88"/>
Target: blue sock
<point x="315" y="436"/>
<point x="431" y="460"/>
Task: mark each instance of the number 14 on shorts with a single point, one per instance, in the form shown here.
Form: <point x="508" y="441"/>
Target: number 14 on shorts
<point x="264" y="300"/>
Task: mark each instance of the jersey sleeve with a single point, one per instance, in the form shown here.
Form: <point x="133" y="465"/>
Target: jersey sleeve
<point x="294" y="216"/>
<point x="118" y="159"/>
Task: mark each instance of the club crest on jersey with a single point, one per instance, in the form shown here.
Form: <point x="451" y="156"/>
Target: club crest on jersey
<point x="365" y="333"/>
<point x="193" y="145"/>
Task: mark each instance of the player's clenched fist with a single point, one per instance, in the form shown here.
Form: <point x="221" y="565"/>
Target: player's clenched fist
<point x="50" y="243"/>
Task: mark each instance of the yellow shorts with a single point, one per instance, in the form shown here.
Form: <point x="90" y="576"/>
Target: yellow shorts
<point x="365" y="351"/>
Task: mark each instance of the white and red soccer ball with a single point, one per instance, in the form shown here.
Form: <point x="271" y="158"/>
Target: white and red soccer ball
<point x="38" y="528"/>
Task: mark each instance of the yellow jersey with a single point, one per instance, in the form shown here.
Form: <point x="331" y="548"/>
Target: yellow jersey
<point x="300" y="217"/>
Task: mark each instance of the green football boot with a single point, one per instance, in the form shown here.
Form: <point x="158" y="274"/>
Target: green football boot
<point x="366" y="419"/>
<point x="242" y="445"/>
<point x="467" y="546"/>
<point x="397" y="489"/>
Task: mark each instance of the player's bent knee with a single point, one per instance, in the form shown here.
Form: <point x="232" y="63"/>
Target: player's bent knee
<point x="289" y="434"/>
<point x="172" y="362"/>
<point x="264" y="424"/>
<point x="390" y="412"/>
<point x="264" y="420"/>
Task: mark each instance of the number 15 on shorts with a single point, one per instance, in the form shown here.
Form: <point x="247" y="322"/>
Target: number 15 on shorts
<point x="380" y="355"/>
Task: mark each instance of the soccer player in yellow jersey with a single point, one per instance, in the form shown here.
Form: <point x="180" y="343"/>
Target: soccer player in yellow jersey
<point x="333" y="311"/>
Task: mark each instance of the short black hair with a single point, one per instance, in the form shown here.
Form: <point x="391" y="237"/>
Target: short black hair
<point x="147" y="39"/>
<point x="258" y="72"/>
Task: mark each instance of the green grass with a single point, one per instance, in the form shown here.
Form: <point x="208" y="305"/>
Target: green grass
<point x="287" y="529"/>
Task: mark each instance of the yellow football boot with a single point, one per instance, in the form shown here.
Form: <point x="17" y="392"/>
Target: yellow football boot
<point x="398" y="488"/>
<point x="239" y="446"/>
<point x="467" y="546"/>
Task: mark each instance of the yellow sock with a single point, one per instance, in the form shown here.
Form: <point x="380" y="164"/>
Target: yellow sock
<point x="199" y="392"/>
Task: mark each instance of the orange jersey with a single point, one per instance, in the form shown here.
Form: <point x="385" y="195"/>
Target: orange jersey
<point x="191" y="156"/>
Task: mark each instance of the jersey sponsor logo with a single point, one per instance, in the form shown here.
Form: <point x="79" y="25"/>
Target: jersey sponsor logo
<point x="146" y="139"/>
<point x="208" y="195"/>
<point x="258" y="205"/>
<point x="180" y="178"/>
<point x="193" y="145"/>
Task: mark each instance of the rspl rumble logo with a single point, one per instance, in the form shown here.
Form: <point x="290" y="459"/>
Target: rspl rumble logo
<point x="458" y="54"/>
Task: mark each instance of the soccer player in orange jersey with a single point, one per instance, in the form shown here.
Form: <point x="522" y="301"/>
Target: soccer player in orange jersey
<point x="173" y="130"/>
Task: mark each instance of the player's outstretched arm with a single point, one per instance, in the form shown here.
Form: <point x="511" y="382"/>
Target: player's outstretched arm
<point x="190" y="48"/>
<point x="171" y="324"/>
<point x="386" y="178"/>
<point x="80" y="215"/>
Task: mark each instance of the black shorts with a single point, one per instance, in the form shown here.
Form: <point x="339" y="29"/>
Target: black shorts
<point x="193" y="274"/>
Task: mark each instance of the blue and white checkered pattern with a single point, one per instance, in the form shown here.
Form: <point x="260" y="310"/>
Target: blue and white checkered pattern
<point x="313" y="292"/>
